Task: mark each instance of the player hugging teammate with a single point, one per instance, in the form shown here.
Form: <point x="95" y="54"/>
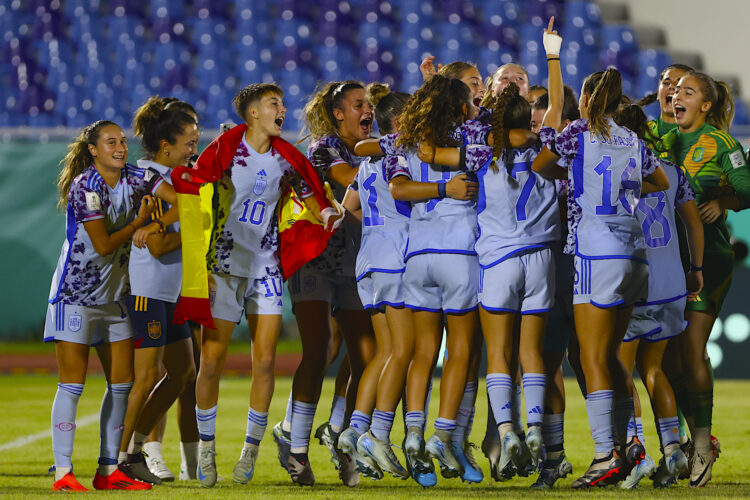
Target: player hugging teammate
<point x="479" y="212"/>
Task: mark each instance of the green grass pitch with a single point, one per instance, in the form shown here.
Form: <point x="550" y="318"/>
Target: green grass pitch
<point x="26" y="402"/>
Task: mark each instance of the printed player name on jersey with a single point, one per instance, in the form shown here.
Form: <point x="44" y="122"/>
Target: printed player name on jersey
<point x="615" y="140"/>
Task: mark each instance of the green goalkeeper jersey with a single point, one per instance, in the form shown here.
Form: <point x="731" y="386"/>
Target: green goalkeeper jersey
<point x="714" y="164"/>
<point x="660" y="127"/>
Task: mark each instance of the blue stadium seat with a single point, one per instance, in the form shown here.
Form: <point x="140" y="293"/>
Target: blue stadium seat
<point x="538" y="12"/>
<point x="492" y="57"/>
<point x="651" y="62"/>
<point x="741" y="113"/>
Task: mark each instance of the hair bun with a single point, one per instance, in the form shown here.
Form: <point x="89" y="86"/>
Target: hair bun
<point x="376" y="92"/>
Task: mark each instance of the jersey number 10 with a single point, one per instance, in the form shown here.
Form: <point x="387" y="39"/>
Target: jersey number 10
<point x="256" y="213"/>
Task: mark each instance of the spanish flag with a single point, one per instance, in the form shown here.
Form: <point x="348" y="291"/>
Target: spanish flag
<point x="301" y="236"/>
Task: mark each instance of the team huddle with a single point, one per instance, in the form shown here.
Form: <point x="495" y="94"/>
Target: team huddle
<point x="495" y="211"/>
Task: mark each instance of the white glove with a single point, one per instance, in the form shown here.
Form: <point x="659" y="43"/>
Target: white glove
<point x="552" y="44"/>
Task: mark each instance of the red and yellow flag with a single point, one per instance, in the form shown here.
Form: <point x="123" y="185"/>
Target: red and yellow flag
<point x="301" y="236"/>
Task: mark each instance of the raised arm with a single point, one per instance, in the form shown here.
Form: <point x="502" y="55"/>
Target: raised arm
<point x="552" y="43"/>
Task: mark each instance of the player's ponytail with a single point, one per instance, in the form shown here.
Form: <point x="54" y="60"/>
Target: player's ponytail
<point x="605" y="94"/>
<point x="509" y="111"/>
<point x="319" y="119"/>
<point x="433" y="112"/>
<point x="387" y="105"/>
<point x="160" y="119"/>
<point x="648" y="100"/>
<point x="78" y="159"/>
<point x="721" y="113"/>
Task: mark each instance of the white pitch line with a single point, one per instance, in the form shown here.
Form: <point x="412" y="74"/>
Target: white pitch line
<point x="22" y="441"/>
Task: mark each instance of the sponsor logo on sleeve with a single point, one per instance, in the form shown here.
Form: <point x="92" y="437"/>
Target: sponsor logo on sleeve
<point x="93" y="203"/>
<point x="738" y="160"/>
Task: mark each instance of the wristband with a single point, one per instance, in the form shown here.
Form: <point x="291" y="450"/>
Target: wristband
<point x="553" y="59"/>
<point x="693" y="267"/>
<point x="161" y="224"/>
<point x="441" y="190"/>
<point x="552" y="44"/>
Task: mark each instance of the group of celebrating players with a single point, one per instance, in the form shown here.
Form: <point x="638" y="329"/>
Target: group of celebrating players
<point x="497" y="211"/>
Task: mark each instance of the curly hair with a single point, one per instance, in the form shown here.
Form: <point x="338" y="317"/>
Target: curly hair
<point x="435" y="109"/>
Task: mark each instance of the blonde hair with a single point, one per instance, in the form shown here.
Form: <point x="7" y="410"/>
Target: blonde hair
<point x="319" y="119"/>
<point x="78" y="159"/>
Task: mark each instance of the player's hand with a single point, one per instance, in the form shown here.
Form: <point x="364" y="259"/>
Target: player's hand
<point x="428" y="68"/>
<point x="461" y="188"/>
<point x="551" y="40"/>
<point x="141" y="234"/>
<point x="710" y="211"/>
<point x="148" y="206"/>
<point x="694" y="284"/>
<point x="332" y="217"/>
<point x="426" y="152"/>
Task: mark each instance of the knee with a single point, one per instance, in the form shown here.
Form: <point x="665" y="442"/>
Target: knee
<point x="263" y="365"/>
<point x="146" y="380"/>
<point x="210" y="369"/>
<point x="187" y="375"/>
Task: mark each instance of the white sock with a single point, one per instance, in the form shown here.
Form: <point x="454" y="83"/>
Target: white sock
<point x="153" y="449"/>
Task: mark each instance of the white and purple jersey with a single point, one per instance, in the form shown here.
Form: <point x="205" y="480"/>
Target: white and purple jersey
<point x="83" y="277"/>
<point x="245" y="239"/>
<point x="338" y="258"/>
<point x="656" y="215"/>
<point x="517" y="209"/>
<point x="438" y="225"/>
<point x="156" y="278"/>
<point x="385" y="221"/>
<point x="606" y="176"/>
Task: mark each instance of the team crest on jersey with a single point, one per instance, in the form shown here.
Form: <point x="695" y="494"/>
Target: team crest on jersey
<point x="698" y="154"/>
<point x="75" y="322"/>
<point x="260" y="185"/>
<point x="154" y="329"/>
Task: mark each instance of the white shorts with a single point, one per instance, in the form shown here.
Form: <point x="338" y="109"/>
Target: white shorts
<point x="231" y="295"/>
<point x="307" y="284"/>
<point x="610" y="282"/>
<point x="522" y="283"/>
<point x="659" y="321"/>
<point x="379" y="289"/>
<point x="445" y="282"/>
<point x="90" y="325"/>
